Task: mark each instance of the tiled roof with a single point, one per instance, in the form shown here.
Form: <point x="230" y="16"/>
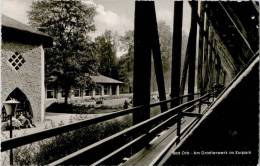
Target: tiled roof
<point x="12" y="23"/>
<point x="103" y="79"/>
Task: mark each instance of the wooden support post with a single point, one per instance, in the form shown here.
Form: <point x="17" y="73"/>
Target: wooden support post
<point x="205" y="60"/>
<point x="212" y="58"/>
<point x="209" y="73"/>
<point x="178" y="130"/>
<point x="142" y="60"/>
<point x="211" y="62"/>
<point x="157" y="60"/>
<point x="201" y="49"/>
<point x="189" y="61"/>
<point x="192" y="49"/>
<point x="176" y="51"/>
<point x="146" y="39"/>
<point x="218" y="68"/>
<point x="185" y="68"/>
<point x="199" y="111"/>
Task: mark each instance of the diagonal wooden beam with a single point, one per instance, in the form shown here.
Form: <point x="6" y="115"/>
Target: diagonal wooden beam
<point x="176" y="51"/>
<point x="236" y="26"/>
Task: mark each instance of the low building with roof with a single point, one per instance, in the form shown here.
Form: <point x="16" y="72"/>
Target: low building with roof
<point x="22" y="67"/>
<point x="105" y="87"/>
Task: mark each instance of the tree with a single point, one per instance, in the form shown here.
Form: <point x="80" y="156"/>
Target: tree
<point x="165" y="36"/>
<point x="126" y="61"/>
<point x="125" y="68"/>
<point x="106" y="52"/>
<point x="71" y="59"/>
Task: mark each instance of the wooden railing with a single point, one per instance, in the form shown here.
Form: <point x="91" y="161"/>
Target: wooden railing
<point x="140" y="133"/>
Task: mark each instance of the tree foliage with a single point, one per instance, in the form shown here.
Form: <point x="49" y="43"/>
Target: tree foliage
<point x="165" y="36"/>
<point x="72" y="58"/>
<point x="125" y="65"/>
<point x="106" y="53"/>
<point x="126" y="61"/>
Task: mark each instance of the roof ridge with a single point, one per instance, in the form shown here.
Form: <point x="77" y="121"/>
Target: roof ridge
<point x="104" y="79"/>
<point x="13" y="23"/>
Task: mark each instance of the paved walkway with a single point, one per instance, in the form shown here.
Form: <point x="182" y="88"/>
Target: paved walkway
<point x="51" y="120"/>
<point x="58" y="119"/>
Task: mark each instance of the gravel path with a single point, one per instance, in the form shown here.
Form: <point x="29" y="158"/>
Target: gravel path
<point x="51" y="120"/>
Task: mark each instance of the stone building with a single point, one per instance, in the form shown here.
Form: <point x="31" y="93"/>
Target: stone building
<point x="22" y="67"/>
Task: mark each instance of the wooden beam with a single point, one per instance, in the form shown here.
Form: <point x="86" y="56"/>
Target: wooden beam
<point x="201" y="49"/>
<point x="146" y="41"/>
<point x="192" y="49"/>
<point x="176" y="51"/>
<point x="191" y="114"/>
<point x="185" y="68"/>
<point x="218" y="69"/>
<point x="205" y="60"/>
<point x="158" y="66"/>
<point x="209" y="65"/>
<point x="242" y="35"/>
<point x="142" y="60"/>
<point x="256" y="6"/>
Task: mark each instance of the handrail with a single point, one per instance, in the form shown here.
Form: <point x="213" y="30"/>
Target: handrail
<point x="142" y="126"/>
<point x="196" y="122"/>
<point x="155" y="130"/>
<point x="169" y="100"/>
<point x="26" y="139"/>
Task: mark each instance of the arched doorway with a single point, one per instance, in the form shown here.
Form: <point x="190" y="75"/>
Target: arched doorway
<point x="23" y="108"/>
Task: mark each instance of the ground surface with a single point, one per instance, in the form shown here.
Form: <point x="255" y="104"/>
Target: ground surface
<point x="57" y="119"/>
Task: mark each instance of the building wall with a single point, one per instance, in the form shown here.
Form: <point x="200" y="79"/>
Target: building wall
<point x="29" y="78"/>
<point x="82" y="99"/>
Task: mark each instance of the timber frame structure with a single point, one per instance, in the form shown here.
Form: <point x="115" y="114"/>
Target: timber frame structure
<point x="221" y="116"/>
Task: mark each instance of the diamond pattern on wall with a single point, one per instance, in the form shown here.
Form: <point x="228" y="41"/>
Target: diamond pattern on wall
<point x="16" y="60"/>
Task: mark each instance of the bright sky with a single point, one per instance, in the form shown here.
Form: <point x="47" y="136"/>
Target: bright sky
<point x="115" y="15"/>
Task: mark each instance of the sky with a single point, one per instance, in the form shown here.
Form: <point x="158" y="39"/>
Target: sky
<point x="115" y="15"/>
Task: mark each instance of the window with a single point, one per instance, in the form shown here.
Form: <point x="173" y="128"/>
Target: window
<point x="87" y="92"/>
<point x="16" y="60"/>
<point x="76" y="92"/>
<point x="51" y="94"/>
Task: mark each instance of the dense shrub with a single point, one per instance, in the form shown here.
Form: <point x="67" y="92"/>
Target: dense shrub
<point x="81" y="109"/>
<point x="49" y="150"/>
<point x="68" y="108"/>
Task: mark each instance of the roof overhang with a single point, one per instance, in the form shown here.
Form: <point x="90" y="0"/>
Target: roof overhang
<point x="13" y="34"/>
